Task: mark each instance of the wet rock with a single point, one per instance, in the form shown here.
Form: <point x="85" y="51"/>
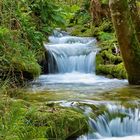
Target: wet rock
<point x="110" y="64"/>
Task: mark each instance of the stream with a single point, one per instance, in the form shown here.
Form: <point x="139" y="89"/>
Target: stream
<point x="111" y="105"/>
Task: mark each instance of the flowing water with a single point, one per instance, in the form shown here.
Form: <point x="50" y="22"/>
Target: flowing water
<point x="72" y="81"/>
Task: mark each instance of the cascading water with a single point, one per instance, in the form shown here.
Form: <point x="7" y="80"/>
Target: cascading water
<point x="72" y="54"/>
<point x="71" y="60"/>
<point x="71" y="67"/>
<point x="108" y="120"/>
<point x="125" y="125"/>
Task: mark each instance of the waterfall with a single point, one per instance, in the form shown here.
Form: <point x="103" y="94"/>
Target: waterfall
<point x="69" y="54"/>
<point x="71" y="65"/>
<point x="119" y="126"/>
<point x="117" y="121"/>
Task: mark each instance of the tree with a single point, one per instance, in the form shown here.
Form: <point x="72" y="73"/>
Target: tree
<point x="126" y="22"/>
<point x="99" y="10"/>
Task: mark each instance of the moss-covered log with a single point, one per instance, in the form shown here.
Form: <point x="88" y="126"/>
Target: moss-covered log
<point x="127" y="38"/>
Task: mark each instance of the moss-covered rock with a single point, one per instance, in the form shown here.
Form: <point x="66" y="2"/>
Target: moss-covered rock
<point x="108" y="60"/>
<point x="112" y="71"/>
<point x="22" y="119"/>
<point x="60" y="123"/>
<point x="110" y="64"/>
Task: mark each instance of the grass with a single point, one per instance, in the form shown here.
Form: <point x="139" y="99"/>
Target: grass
<point x="24" y="120"/>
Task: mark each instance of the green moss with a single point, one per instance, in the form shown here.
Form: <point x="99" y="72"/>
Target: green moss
<point x="83" y="31"/>
<point x="28" y="65"/>
<point x="110" y="65"/>
<point x="108" y="61"/>
<point x="112" y="71"/>
<point x="114" y="59"/>
<point x="127" y="96"/>
<point x="99" y="60"/>
<point x="60" y="123"/>
<point x="17" y="61"/>
<point x="22" y="120"/>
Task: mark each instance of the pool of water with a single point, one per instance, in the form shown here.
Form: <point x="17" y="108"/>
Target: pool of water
<point x="76" y="85"/>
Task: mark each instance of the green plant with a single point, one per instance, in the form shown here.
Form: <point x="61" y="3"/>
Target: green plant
<point x="19" y="120"/>
<point x="23" y="28"/>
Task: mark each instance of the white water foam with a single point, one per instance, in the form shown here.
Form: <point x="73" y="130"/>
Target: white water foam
<point x="70" y="57"/>
<point x="113" y="138"/>
<point x="117" y="122"/>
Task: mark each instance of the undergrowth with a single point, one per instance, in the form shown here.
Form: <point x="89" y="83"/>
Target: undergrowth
<point x="24" y="25"/>
<point x="21" y="120"/>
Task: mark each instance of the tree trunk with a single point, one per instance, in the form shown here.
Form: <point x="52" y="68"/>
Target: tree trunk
<point x="127" y="38"/>
<point x="95" y="11"/>
<point x="99" y="11"/>
<point x="135" y="16"/>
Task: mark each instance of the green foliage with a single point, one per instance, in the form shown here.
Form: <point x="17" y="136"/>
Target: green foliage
<point x="68" y="12"/>
<point x="19" y="120"/>
<point x="16" y="58"/>
<point x="108" y="60"/>
<point x="103" y="36"/>
<point x="86" y="4"/>
<point x="60" y="123"/>
<point x="46" y="14"/>
<point x="102" y="31"/>
<point x="23" y="28"/>
<point x="104" y="1"/>
<point x="75" y="12"/>
<point x="110" y="64"/>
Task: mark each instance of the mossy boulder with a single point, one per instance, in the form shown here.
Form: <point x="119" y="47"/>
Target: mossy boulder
<point x="20" y="119"/>
<point x="112" y="71"/>
<point x="108" y="60"/>
<point x="60" y="123"/>
<point x="110" y="64"/>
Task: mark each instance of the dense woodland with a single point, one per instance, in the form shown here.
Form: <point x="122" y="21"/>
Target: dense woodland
<point x="24" y="27"/>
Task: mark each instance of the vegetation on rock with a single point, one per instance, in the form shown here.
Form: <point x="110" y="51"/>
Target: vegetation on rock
<point x="23" y="28"/>
<point x="22" y="120"/>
